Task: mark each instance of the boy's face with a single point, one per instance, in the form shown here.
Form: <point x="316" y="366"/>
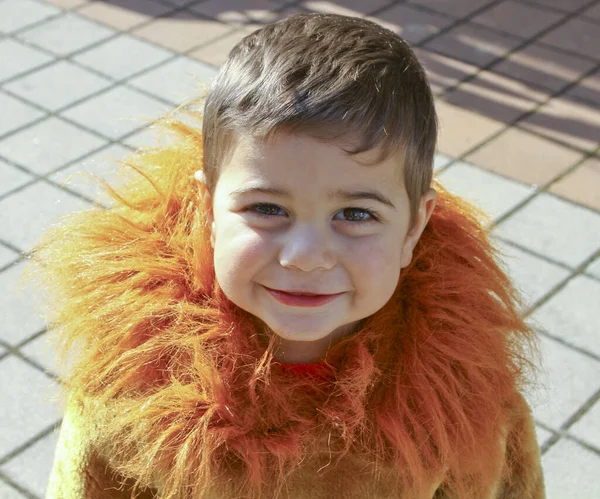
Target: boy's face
<point x="307" y="239"/>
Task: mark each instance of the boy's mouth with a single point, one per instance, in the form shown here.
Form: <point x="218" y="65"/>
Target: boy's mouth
<point x="301" y="298"/>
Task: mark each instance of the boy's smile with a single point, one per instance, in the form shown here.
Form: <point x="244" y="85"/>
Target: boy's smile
<point x="307" y="239"/>
<point x="302" y="298"/>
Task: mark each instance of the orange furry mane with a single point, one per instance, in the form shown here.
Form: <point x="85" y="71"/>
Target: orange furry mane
<point x="195" y="398"/>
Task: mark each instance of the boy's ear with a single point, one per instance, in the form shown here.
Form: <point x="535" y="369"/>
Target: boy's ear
<point x="426" y="206"/>
<point x="206" y="203"/>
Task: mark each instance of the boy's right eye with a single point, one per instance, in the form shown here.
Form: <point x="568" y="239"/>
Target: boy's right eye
<point x="267" y="210"/>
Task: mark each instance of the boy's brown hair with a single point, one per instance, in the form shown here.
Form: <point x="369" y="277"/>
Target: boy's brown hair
<point x="331" y="77"/>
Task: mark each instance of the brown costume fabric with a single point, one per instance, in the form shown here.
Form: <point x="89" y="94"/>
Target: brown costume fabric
<point x="174" y="393"/>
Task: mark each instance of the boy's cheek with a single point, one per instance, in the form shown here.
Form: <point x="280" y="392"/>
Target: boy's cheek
<point x="378" y="267"/>
<point x="241" y="251"/>
<point x="379" y="255"/>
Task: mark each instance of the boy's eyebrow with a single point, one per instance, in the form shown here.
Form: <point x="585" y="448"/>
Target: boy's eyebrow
<point x="356" y="195"/>
<point x="339" y="193"/>
<point x="260" y="190"/>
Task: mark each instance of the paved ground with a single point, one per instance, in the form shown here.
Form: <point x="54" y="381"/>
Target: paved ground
<point x="519" y="102"/>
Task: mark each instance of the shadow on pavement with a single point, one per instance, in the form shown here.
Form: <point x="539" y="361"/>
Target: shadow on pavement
<point x="548" y="89"/>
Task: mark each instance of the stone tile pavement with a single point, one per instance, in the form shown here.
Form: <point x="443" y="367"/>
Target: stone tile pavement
<point x="518" y="86"/>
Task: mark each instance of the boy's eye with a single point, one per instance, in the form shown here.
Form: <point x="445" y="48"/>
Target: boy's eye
<point x="266" y="209"/>
<point x="356" y="215"/>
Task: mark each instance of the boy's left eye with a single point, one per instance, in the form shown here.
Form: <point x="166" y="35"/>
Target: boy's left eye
<point x="266" y="210"/>
<point x="356" y="215"/>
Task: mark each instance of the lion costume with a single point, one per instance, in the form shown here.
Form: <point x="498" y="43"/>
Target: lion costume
<point x="173" y="395"/>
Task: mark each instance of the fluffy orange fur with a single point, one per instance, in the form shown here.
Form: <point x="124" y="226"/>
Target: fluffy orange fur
<point x="194" y="396"/>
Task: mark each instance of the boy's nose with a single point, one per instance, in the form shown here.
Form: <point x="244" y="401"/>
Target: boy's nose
<point x="307" y="248"/>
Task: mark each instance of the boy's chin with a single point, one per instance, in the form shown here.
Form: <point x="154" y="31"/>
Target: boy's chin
<point x="309" y="332"/>
<point x="300" y="336"/>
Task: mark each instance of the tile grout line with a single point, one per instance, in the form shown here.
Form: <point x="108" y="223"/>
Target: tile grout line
<point x="494" y="62"/>
<point x="544" y="258"/>
<point x="23" y="343"/>
<point x="11" y="247"/>
<point x="39" y="22"/>
<point x="592" y="153"/>
<point x="557" y="435"/>
<point x="538" y="189"/>
<point x="514" y="122"/>
<point x="24" y="253"/>
<point x="69" y="58"/>
<point x="45" y="177"/>
<point x="467" y="19"/>
<point x="16" y="352"/>
<point x="550" y="8"/>
<point x="579" y="271"/>
<point x="581" y="442"/>
<point x="108" y="140"/>
<point x="10" y="264"/>
<point x="115" y="82"/>
<point x="553" y="291"/>
<point x="6" y="479"/>
<point x="526" y="41"/>
<point x="574" y="273"/>
<point x="544" y="188"/>
<point x="31" y="338"/>
<point x="567" y="16"/>
<point x="175" y="54"/>
<point x="56" y="114"/>
<point x="586" y="406"/>
<point x="574" y="418"/>
<point x="565" y="343"/>
<point x="107" y="143"/>
<point x="30" y="442"/>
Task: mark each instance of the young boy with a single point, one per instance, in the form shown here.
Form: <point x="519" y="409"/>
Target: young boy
<point x="318" y="323"/>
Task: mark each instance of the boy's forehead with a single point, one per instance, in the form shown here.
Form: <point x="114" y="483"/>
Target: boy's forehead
<point x="290" y="161"/>
<point x="257" y="148"/>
